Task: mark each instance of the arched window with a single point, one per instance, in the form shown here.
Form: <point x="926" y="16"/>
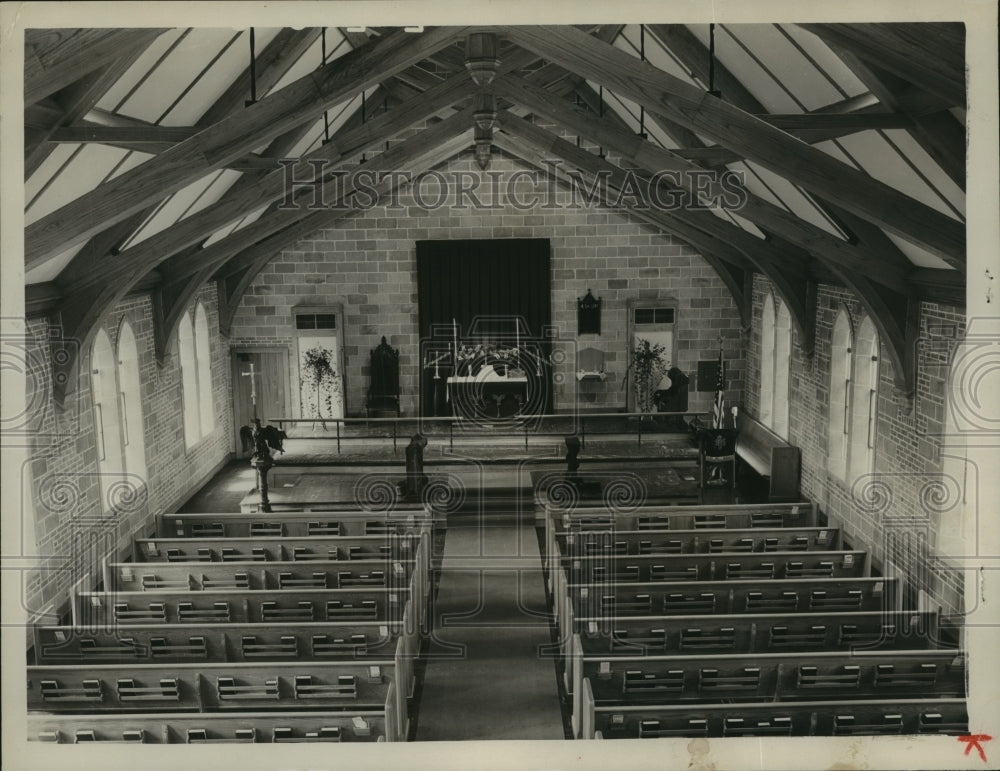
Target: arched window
<point x="954" y="506"/>
<point x="840" y="390"/>
<point x="864" y="401"/>
<point x="130" y="388"/>
<point x="767" y="362"/>
<point x="775" y="353"/>
<point x="203" y="353"/>
<point x="196" y="375"/>
<point x="189" y="380"/>
<point x="107" y="422"/>
<point x="782" y="363"/>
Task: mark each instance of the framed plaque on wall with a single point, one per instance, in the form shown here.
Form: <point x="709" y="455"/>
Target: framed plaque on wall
<point x="588" y="315"/>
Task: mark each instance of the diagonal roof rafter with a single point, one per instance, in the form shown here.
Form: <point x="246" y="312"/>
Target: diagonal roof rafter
<point x="227" y="140"/>
<point x="732" y="127"/>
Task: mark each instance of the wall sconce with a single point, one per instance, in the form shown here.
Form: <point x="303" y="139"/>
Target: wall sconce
<point x="484" y="110"/>
<point x="482" y="57"/>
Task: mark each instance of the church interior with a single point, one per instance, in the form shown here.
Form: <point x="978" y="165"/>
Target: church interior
<point x="570" y="382"/>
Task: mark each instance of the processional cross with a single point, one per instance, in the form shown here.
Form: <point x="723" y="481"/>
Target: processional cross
<point x="252" y="374"/>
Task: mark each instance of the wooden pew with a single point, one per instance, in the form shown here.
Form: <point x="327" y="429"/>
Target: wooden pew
<point x="602" y="637"/>
<point x="770" y="456"/>
<point x="356" y="686"/>
<point x="772" y="677"/>
<point x="164" y="643"/>
<point x="715" y="567"/>
<point x="109" y="610"/>
<point x="812" y="595"/>
<point x="757" y="633"/>
<point x="806" y="718"/>
<point x="217" y="643"/>
<point x="241" y="576"/>
<point x="304" y="524"/>
<point x="572" y="543"/>
<point x="739" y="516"/>
<point x="344" y="686"/>
<point x="275" y="549"/>
<point x="296" y="524"/>
<point x="185" y="728"/>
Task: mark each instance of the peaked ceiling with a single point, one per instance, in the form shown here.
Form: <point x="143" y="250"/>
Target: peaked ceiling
<point x="152" y="155"/>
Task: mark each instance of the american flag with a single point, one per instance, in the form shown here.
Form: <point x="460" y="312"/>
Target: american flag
<point x="720" y="394"/>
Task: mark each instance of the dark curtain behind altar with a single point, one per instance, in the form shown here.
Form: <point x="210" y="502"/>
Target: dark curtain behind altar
<point x="482" y="284"/>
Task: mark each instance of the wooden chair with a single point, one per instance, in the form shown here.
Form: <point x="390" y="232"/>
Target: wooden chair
<point x="717" y="449"/>
<point x="383" y="389"/>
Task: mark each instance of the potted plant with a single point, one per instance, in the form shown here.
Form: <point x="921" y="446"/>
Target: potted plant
<point x="320" y="377"/>
<point x="647" y="367"/>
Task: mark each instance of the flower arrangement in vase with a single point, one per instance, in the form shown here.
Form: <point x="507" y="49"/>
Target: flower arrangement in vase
<point x="648" y="368"/>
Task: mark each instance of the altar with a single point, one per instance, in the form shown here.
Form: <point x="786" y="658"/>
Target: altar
<point x="492" y="393"/>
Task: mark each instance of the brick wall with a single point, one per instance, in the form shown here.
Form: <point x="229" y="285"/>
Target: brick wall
<point x="899" y="511"/>
<point x="72" y="530"/>
<point x="367" y="263"/>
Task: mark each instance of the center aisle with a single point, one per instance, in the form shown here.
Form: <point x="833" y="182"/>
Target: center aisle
<point x="487" y="675"/>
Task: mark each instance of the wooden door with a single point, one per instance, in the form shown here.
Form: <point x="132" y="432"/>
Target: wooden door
<point x="266" y="388"/>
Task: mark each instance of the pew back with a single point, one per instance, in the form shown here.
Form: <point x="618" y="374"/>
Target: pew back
<point x="109" y="610"/>
<point x="249" y="727"/>
<point x="712" y="678"/>
<point x="806" y="718"/>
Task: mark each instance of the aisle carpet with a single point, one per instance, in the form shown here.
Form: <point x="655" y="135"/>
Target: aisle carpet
<point x="488" y="675"/>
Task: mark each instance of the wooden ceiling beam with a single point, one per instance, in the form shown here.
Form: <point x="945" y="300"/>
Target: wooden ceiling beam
<point x="245" y="265"/>
<point x="700" y="182"/>
<point x="731" y="266"/>
<point x="123" y="135"/>
<point x="55" y="58"/>
<point x="931" y="56"/>
<point x="841" y="123"/>
<point x="814" y="170"/>
<point x="82" y="310"/>
<point x="271" y="187"/>
<point x="938" y="285"/>
<point x="280" y="54"/>
<point x="420" y="144"/>
<point x="686" y="222"/>
<point x="940" y="133"/>
<point x="694" y="55"/>
<point x="76" y="101"/>
<point x="227" y="140"/>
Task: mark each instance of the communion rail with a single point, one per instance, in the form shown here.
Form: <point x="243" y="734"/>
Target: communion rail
<point x="341" y="430"/>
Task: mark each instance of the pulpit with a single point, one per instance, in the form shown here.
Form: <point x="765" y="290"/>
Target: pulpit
<point x="383" y="389"/>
